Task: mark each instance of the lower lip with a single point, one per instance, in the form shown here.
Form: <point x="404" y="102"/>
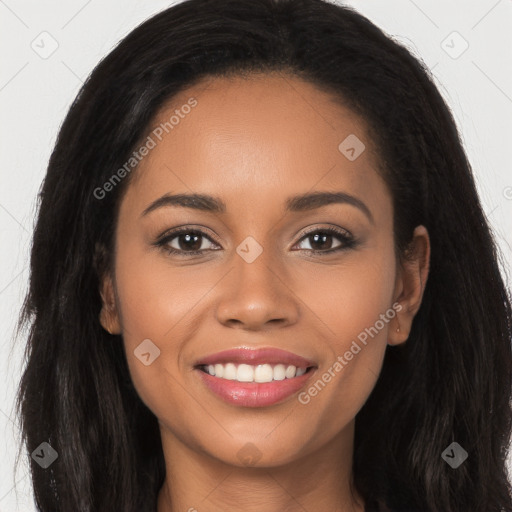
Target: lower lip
<point x="254" y="394"/>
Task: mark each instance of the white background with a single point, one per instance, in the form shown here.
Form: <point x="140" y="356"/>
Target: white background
<point x="35" y="94"/>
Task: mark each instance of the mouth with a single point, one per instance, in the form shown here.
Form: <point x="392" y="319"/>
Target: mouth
<point x="254" y="378"/>
<point x="261" y="373"/>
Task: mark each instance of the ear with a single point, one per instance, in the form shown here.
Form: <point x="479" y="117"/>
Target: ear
<point x="410" y="285"/>
<point x="109" y="317"/>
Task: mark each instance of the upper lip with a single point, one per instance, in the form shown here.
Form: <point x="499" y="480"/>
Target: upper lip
<point x="256" y="356"/>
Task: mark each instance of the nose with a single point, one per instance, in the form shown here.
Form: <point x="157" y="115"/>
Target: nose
<point x="257" y="296"/>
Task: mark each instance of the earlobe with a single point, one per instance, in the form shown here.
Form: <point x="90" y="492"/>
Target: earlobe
<point x="396" y="335"/>
<point x="411" y="284"/>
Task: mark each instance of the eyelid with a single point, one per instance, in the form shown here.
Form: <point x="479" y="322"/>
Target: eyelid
<point x="187" y="228"/>
<point x="330" y="227"/>
<point x="163" y="241"/>
<point x="346" y="238"/>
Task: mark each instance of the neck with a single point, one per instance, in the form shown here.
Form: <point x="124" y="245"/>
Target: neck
<point x="320" y="481"/>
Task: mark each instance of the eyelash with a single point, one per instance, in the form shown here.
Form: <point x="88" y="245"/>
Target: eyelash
<point x="348" y="241"/>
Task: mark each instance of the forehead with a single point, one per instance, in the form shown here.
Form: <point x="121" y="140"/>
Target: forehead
<point x="263" y="136"/>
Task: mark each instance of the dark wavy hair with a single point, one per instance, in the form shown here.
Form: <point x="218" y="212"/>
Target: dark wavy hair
<point x="450" y="382"/>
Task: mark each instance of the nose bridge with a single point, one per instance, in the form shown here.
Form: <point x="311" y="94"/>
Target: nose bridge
<point x="256" y="292"/>
<point x="257" y="270"/>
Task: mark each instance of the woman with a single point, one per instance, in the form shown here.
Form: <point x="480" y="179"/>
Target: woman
<point x="262" y="279"/>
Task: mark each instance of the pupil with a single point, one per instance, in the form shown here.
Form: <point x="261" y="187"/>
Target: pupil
<point x="187" y="237"/>
<point x="320" y="239"/>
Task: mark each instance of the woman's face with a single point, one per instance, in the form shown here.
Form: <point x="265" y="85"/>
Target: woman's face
<point x="257" y="146"/>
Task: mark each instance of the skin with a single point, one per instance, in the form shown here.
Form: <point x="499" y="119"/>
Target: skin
<point x="254" y="142"/>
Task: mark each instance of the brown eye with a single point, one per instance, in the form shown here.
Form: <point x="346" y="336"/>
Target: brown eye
<point x="189" y="242"/>
<point x="186" y="242"/>
<point x="327" y="240"/>
<point x="321" y="241"/>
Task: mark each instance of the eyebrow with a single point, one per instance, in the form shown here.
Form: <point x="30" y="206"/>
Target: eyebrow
<point x="299" y="203"/>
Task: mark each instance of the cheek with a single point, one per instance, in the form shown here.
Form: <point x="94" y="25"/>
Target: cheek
<point x="344" y="300"/>
<point x="155" y="304"/>
<point x="155" y="297"/>
<point x="352" y="308"/>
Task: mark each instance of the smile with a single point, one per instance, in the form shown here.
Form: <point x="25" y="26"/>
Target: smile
<point x="254" y="377"/>
<point x="254" y="373"/>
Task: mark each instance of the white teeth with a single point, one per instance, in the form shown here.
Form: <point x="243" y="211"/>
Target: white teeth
<point x="229" y="371"/>
<point x="300" y="371"/>
<point x="290" y="372"/>
<point x="254" y="373"/>
<point x="279" y="372"/>
<point x="219" y="370"/>
<point x="245" y="373"/>
<point x="263" y="373"/>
